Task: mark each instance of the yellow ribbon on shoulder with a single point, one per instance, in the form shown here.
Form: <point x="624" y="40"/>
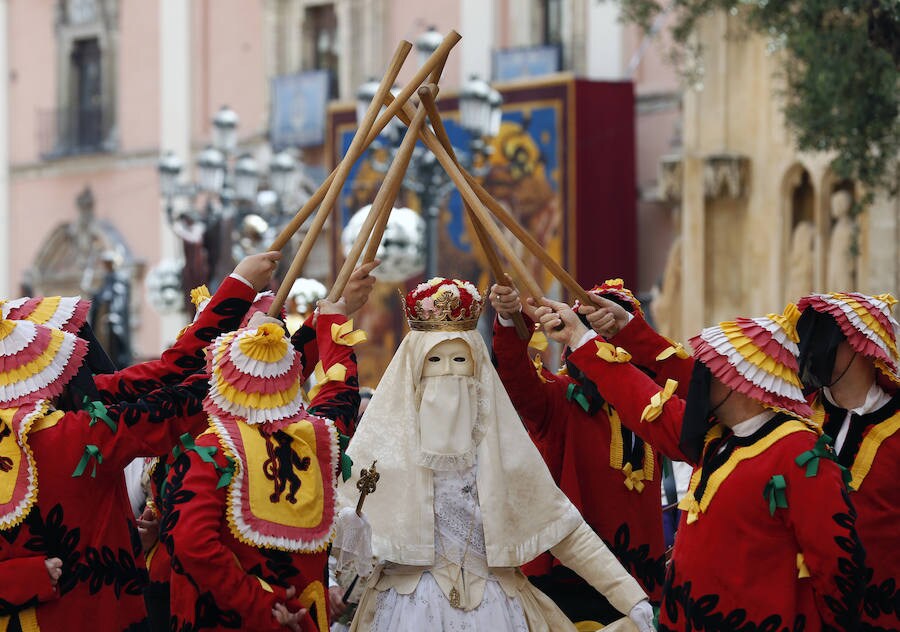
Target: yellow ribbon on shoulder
<point x="610" y="353"/>
<point x="200" y="294"/>
<point x="337" y="373"/>
<point x="345" y="335"/>
<point x="538" y="341"/>
<point x="659" y="399"/>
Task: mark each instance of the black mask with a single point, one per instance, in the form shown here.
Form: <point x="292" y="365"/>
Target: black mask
<point x="696" y="413"/>
<point x="81" y="386"/>
<point x="820" y="336"/>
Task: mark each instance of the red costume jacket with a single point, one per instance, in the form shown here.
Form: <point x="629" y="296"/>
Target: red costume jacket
<point x="871" y="452"/>
<point x="220" y="582"/>
<point x="615" y="485"/>
<point x="768" y="542"/>
<point x="86" y="520"/>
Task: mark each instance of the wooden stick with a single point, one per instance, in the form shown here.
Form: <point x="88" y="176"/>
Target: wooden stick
<point x="435" y="62"/>
<point x="383" y="203"/>
<point x="508" y="220"/>
<point x="437" y="123"/>
<point x="357" y="146"/>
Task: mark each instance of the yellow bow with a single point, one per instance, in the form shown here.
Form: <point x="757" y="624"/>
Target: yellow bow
<point x="199" y="294"/>
<point x="337" y="373"/>
<point x="611" y="353"/>
<point x="691" y="506"/>
<point x="659" y="399"/>
<point x="634" y="480"/>
<point x="538" y="363"/>
<point x="345" y="335"/>
<point x="677" y="349"/>
<point x="538" y="341"/>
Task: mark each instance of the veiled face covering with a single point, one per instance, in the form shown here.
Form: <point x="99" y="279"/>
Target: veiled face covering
<point x="448" y="407"/>
<point x="450" y="357"/>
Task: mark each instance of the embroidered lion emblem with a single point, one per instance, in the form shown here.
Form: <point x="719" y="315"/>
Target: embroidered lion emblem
<point x="282" y="466"/>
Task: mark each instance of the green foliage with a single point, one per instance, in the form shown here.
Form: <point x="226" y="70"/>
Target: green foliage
<point x="841" y="71"/>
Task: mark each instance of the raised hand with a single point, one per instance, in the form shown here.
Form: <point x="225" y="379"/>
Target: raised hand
<point x="258" y="268"/>
<point x="359" y="286"/>
<point x="560" y="322"/>
<point x="606" y="317"/>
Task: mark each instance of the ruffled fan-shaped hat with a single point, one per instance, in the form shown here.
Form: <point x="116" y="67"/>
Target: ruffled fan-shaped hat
<point x="866" y="322"/>
<point x="757" y="357"/>
<point x="67" y="313"/>
<point x="614" y="289"/>
<point x="36" y="362"/>
<point x="443" y="305"/>
<point x="254" y="375"/>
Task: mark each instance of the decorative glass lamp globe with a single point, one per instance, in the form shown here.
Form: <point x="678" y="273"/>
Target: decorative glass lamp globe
<point x="402" y="248"/>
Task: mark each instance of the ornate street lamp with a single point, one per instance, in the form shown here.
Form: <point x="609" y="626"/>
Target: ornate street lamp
<point x="211" y="170"/>
<point x="170" y="167"/>
<point x="475" y="106"/>
<point x="225" y="135"/>
<point x="284" y="173"/>
<point x="427" y="43"/>
<point x="246" y="177"/>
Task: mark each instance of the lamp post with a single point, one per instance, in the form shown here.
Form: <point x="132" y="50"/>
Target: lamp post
<point x="480" y="114"/>
<point x="223" y="211"/>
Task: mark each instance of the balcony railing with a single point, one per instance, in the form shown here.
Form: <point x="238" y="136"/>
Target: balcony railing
<point x="75" y="130"/>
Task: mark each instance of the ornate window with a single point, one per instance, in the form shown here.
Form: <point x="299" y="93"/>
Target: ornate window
<point x="84" y="120"/>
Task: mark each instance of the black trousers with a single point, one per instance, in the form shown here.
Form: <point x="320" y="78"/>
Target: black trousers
<point x="575" y="597"/>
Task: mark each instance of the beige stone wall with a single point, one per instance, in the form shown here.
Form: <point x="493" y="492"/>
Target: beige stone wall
<point x="737" y="230"/>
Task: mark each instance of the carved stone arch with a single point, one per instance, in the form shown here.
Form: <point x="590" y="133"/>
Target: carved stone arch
<point x="800" y="233"/>
<point x="69" y="262"/>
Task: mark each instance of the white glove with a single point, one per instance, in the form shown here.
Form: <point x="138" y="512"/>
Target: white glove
<point x="352" y="545"/>
<point x="642" y="616"/>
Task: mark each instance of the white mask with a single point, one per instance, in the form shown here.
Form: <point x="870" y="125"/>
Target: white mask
<point x="447" y="414"/>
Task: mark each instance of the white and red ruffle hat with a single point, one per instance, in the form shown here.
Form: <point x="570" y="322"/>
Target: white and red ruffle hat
<point x="615" y="290"/>
<point x="757" y="357"/>
<point x="67" y="313"/>
<point x="441" y="304"/>
<point x="36" y="361"/>
<point x="254" y="375"/>
<point x="866" y="322"/>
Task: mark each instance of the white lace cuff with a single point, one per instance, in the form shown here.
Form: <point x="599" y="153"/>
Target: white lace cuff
<point x="352" y="546"/>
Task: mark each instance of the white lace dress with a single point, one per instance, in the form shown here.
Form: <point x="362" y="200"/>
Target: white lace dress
<point x="460" y="564"/>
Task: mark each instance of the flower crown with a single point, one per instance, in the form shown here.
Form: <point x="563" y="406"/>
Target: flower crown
<point x="443" y="305"/>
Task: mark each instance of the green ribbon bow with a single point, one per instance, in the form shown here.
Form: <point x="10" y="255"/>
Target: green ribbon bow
<point x="774" y="493"/>
<point x="226" y="473"/>
<point x="346" y="463"/>
<point x="810" y="458"/>
<point x="98" y="412"/>
<point x="91" y="452"/>
<point x="573" y="393"/>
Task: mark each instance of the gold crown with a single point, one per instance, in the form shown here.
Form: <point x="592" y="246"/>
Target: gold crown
<point x="443" y="305"/>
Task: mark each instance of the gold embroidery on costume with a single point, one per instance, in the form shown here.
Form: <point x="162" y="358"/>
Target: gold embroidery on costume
<point x="869" y="448"/>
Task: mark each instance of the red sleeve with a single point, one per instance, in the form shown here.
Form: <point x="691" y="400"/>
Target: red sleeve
<point x="537" y="401"/>
<point x="654" y="414"/>
<point x="822" y="518"/>
<point x="650" y="350"/>
<point x="194" y="513"/>
<point x="147" y="427"/>
<point x="225" y="310"/>
<point x="24" y="582"/>
<point x="336" y="397"/>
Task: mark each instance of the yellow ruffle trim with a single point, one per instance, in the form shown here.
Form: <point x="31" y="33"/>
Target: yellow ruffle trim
<point x="611" y="353"/>
<point x="267" y="344"/>
<point x="345" y="335"/>
<point x="756" y="356"/>
<point x="788" y="321"/>
<point x="45" y="310"/>
<point x="870" y="321"/>
<point x="38" y="364"/>
<point x="633" y="478"/>
<point x="337" y="373"/>
<point x="256" y="400"/>
<point x="658" y="400"/>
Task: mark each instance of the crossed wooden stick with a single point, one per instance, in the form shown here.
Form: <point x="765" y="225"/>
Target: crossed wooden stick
<point x="481" y="207"/>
